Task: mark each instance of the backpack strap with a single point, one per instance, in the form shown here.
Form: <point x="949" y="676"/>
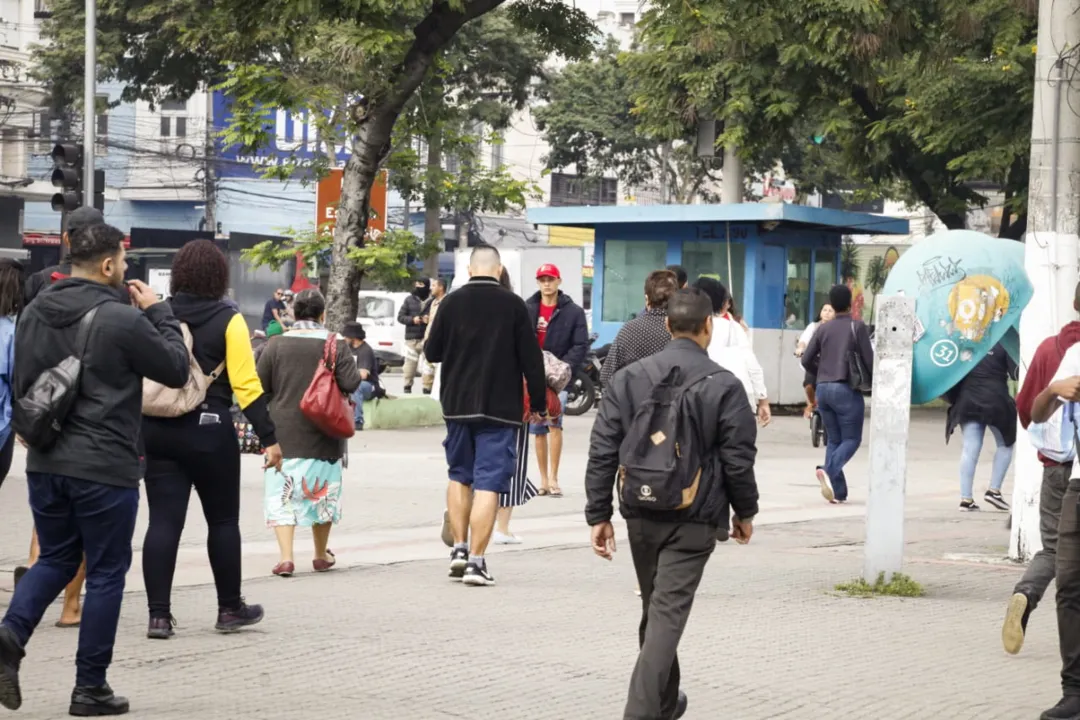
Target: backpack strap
<point x="82" y="339"/>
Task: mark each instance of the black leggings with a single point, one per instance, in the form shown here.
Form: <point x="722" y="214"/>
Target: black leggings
<point x="181" y="454"/>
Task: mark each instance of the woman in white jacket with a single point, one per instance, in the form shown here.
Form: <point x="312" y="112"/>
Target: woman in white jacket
<point x="731" y="349"/>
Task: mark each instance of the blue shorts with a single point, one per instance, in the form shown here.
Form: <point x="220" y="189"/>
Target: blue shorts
<point x="543" y="428"/>
<point x="481" y="456"/>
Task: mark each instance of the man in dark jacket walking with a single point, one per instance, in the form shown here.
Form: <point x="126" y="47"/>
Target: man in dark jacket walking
<point x="485" y="343"/>
<point x="414" y="316"/>
<point x="84" y="489"/>
<point x="670" y="549"/>
<point x="561" y="329"/>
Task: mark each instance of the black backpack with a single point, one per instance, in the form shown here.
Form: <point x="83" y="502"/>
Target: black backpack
<point x="38" y="416"/>
<point x="660" y="458"/>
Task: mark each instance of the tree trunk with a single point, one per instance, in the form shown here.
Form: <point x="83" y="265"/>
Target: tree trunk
<point x="432" y="205"/>
<point x="371" y="144"/>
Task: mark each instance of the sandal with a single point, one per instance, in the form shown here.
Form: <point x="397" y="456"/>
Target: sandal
<point x="542" y="492"/>
<point x="556" y="492"/>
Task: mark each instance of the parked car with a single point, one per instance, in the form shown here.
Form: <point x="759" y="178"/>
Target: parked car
<point x="378" y="311"/>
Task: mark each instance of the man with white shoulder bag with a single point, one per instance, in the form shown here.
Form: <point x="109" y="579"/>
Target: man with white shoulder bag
<point x="1048" y="401"/>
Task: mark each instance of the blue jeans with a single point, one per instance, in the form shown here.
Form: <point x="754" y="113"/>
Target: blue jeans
<point x="969" y="458"/>
<point x="73" y="517"/>
<point x="362" y="393"/>
<point x="842" y="410"/>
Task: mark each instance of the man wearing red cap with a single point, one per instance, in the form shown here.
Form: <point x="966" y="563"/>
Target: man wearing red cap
<point x="561" y="329"/>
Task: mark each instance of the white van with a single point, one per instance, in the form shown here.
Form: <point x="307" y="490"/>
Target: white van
<point x="378" y="313"/>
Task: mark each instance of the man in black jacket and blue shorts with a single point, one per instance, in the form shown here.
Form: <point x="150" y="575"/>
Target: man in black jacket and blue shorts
<point x="670" y="548"/>
<point x="485" y="342"/>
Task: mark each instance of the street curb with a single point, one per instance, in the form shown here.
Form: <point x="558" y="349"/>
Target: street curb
<point x="402" y="412"/>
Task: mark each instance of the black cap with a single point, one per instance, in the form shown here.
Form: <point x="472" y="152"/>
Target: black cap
<point x="354" y="331"/>
<point x="84" y="217"/>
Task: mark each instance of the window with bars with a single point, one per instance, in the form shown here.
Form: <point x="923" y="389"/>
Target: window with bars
<point x="571" y="190"/>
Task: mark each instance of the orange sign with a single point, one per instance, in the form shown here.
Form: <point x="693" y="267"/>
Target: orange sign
<point x="328" y="196"/>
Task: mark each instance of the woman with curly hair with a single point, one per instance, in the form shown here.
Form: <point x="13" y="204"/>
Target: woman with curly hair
<point x="199" y="449"/>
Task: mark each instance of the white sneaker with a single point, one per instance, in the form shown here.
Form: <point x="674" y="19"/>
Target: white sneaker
<point x="827" y="491"/>
<point x="501" y="539"/>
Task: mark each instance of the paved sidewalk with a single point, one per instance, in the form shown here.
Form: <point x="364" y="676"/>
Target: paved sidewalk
<point x="557" y="638"/>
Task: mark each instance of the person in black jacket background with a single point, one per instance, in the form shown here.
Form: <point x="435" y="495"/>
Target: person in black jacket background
<point x="670" y="549"/>
<point x="414" y="316"/>
<point x="77" y="221"/>
<point x="84" y="490"/>
<point x="562" y="330"/>
<point x="980" y="401"/>
<point x="842" y="407"/>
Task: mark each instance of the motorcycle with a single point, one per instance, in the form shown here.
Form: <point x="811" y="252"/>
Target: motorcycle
<point x="583" y="392"/>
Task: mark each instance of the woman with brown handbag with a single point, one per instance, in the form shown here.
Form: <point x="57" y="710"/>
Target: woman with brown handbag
<point x="306" y="491"/>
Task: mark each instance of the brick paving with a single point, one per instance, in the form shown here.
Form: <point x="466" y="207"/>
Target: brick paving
<point x="557" y="638"/>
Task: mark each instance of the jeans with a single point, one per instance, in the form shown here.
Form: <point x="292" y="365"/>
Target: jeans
<point x="362" y="393"/>
<point x="669" y="559"/>
<point x="842" y="410"/>
<point x="969" y="458"/>
<point x="1068" y="589"/>
<point x="73" y="517"/>
<point x="1041" y="569"/>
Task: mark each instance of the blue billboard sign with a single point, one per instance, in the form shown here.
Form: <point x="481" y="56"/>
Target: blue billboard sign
<point x="292" y="137"/>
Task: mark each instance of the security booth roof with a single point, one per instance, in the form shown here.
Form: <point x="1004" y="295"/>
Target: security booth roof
<point x="797" y="216"/>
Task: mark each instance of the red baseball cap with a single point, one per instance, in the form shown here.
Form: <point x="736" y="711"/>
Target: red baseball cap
<point x="548" y="270"/>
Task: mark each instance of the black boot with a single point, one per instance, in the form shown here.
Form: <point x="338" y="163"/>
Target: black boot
<point x="407" y="389"/>
<point x="97" y="702"/>
<point x="232" y="619"/>
<point x="11" y="655"/>
<point x="1067" y="709"/>
<point x="680" y="707"/>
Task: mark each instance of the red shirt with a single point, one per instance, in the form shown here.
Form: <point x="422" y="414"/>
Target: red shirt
<point x="1044" y="365"/>
<point x="546" y="311"/>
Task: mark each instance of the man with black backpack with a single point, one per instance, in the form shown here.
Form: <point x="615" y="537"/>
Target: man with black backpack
<point x="676" y="433"/>
<point x="81" y="353"/>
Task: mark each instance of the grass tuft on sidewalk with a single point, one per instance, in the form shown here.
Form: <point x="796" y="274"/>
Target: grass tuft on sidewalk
<point x="900" y="586"/>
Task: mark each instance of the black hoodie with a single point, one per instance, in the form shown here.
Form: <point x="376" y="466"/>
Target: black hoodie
<point x="100" y="438"/>
<point x="220" y="334"/>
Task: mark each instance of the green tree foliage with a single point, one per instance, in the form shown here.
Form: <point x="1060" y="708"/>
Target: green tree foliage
<point x="485" y="76"/>
<point x="915" y="99"/>
<point x="589" y="123"/>
<point x="354" y="64"/>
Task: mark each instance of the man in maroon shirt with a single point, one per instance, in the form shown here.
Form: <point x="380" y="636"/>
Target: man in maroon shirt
<point x="1031" y="588"/>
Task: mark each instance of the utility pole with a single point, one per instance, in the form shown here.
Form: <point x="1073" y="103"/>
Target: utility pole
<point x="90" y="103"/>
<point x="209" y="175"/>
<point x="890" y="422"/>
<point x="731" y="188"/>
<point x="1053" y="231"/>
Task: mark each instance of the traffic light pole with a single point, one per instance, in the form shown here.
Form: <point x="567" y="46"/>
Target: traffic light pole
<point x="90" y="104"/>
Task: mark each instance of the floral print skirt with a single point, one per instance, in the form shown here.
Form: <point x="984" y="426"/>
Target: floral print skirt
<point x="306" y="492"/>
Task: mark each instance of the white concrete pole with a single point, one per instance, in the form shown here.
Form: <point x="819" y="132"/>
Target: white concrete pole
<point x="890" y="421"/>
<point x="1050" y="253"/>
<point x="731" y="187"/>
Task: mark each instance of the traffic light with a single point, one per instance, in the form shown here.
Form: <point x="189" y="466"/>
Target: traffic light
<point x="68" y="176"/>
